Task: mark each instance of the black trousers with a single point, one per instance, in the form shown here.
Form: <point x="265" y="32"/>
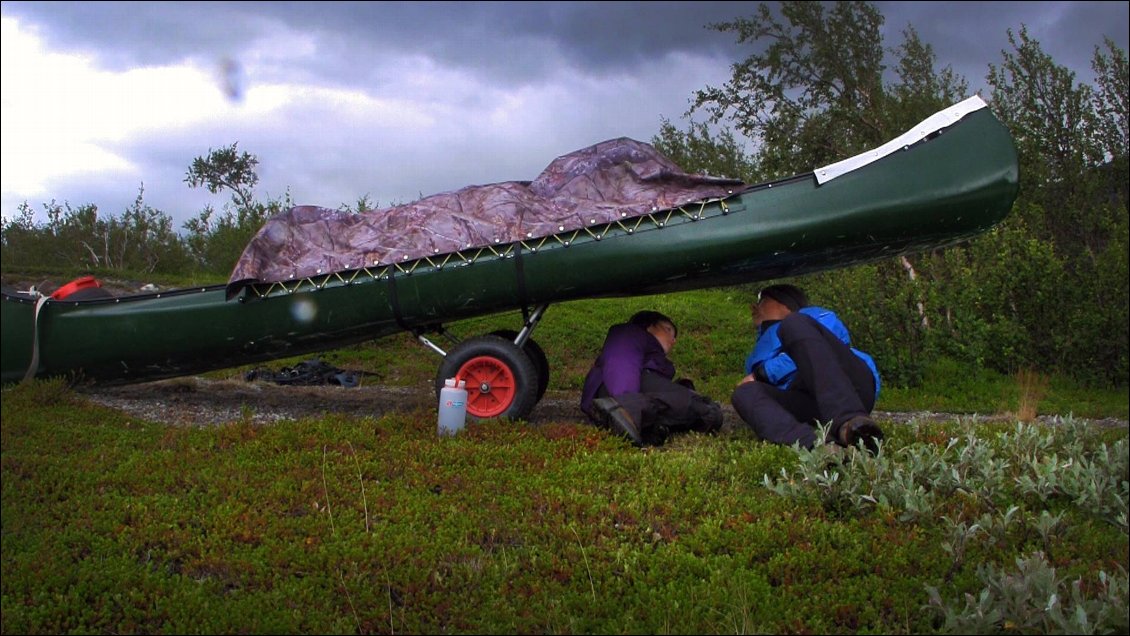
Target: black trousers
<point x="663" y="407"/>
<point x="832" y="384"/>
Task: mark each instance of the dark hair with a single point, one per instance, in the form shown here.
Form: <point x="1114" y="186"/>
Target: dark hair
<point x="790" y="296"/>
<point x="646" y="318"/>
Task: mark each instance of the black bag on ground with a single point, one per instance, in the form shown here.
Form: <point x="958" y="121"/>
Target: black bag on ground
<point x="307" y="373"/>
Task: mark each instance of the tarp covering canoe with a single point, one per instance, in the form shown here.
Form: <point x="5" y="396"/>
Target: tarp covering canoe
<point x="614" y="179"/>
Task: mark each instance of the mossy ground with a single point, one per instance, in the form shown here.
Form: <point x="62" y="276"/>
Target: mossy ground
<point x="347" y="524"/>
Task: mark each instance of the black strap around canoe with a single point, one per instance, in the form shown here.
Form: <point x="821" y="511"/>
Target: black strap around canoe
<point x="520" y="271"/>
<point x="394" y="304"/>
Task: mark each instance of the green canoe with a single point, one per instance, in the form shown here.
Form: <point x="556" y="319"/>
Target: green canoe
<point x="939" y="184"/>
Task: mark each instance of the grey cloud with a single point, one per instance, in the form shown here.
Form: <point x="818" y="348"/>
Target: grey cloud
<point x="970" y="36"/>
<point x="516" y="43"/>
<point x="500" y="38"/>
<point x="597" y="69"/>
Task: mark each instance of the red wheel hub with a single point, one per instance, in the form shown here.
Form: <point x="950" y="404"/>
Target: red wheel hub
<point x="491" y="386"/>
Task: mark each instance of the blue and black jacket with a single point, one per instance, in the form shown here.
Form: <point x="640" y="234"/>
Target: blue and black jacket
<point x="772" y="365"/>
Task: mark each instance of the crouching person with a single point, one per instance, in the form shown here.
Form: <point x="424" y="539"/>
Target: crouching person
<point x="803" y="371"/>
<point x="631" y="388"/>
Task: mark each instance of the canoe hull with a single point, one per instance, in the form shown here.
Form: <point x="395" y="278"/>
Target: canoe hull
<point x="932" y="194"/>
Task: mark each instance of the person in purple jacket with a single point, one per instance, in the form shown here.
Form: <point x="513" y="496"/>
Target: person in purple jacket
<point x="803" y="371"/>
<point x="631" y="387"/>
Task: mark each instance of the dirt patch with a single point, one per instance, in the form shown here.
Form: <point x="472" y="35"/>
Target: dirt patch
<point x="200" y="401"/>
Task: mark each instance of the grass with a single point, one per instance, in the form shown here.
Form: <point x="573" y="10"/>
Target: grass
<point x="346" y="525"/>
<point x="1032" y="387"/>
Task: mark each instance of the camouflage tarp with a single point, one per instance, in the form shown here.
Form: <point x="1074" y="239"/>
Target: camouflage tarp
<point x="615" y="179"/>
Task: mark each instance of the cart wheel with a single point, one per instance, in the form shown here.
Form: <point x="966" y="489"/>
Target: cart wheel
<point x="501" y="379"/>
<point x="537" y="356"/>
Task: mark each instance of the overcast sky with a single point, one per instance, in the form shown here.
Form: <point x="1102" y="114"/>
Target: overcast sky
<point x="395" y="100"/>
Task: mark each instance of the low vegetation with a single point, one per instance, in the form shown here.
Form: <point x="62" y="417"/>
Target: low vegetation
<point x="342" y="524"/>
<point x="347" y="525"/>
<point x="338" y="524"/>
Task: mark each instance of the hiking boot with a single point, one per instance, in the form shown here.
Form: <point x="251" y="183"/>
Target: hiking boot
<point x="656" y="435"/>
<point x="611" y="414"/>
<point x="712" y="419"/>
<point x="861" y="429"/>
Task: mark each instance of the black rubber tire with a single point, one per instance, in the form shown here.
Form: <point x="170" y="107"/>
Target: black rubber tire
<point x="537" y="356"/>
<point x="514" y="397"/>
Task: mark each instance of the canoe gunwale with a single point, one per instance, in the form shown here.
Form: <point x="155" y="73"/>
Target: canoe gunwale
<point x="925" y="130"/>
<point x="31" y="298"/>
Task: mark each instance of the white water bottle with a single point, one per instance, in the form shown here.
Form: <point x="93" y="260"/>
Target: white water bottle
<point x="452" y="407"/>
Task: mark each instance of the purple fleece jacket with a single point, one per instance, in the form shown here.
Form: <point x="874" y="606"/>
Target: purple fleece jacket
<point x="628" y="351"/>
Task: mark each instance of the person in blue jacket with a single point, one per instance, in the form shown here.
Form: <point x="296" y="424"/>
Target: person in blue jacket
<point x="631" y="387"/>
<point x="802" y="372"/>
